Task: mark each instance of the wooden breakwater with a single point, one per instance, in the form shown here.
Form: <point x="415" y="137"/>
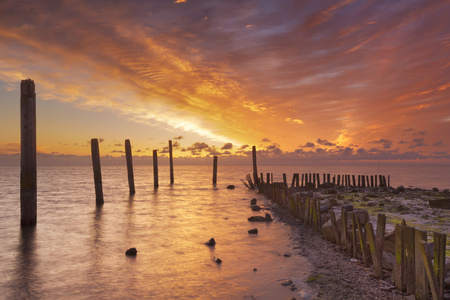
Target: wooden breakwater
<point x="313" y="180"/>
<point x="418" y="266"/>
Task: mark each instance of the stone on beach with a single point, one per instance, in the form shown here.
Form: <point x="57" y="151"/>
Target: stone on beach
<point x="217" y="260"/>
<point x="131" y="252"/>
<point x="230" y="187"/>
<point x="211" y="242"/>
<point x="253" y="231"/>
<point x="257" y="219"/>
<point x="253" y="201"/>
<point x="255" y="207"/>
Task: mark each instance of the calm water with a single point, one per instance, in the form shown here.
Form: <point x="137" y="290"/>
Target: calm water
<point x="77" y="251"/>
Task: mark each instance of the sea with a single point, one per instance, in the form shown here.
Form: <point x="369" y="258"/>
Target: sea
<point x="77" y="249"/>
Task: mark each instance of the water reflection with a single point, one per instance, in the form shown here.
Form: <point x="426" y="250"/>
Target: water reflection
<point x="26" y="280"/>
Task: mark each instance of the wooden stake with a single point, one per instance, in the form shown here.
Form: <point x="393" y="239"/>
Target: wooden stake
<point x="129" y="167"/>
<point x="429" y="270"/>
<point x="95" y="152"/>
<point x="362" y="241"/>
<point x="439" y="260"/>
<point x="215" y="171"/>
<point x="171" y="162"/>
<point x="255" y="169"/>
<point x="155" y="169"/>
<point x="422" y="291"/>
<point x="337" y="237"/>
<point x="28" y="173"/>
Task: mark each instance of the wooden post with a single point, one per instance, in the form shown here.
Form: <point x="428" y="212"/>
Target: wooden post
<point x="439" y="260"/>
<point x="339" y="179"/>
<point x="255" y="169"/>
<point x="422" y="285"/>
<point x="376" y="244"/>
<point x="344" y="228"/>
<point x="355" y="249"/>
<point x="268" y="177"/>
<point x="354" y="180"/>
<point x="399" y="265"/>
<point x="95" y="152"/>
<point x="376" y="183"/>
<point x="429" y="270"/>
<point x="28" y="172"/>
<point x="318" y="180"/>
<point x="284" y="179"/>
<point x="297" y="179"/>
<point x="337" y="236"/>
<point x="409" y="252"/>
<point x="155" y="169"/>
<point x="171" y="162"/>
<point x="215" y="171"/>
<point x="362" y="241"/>
<point x="129" y="167"/>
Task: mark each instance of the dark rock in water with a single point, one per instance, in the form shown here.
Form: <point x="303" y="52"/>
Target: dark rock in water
<point x="286" y="282"/>
<point x="255" y="207"/>
<point x="257" y="219"/>
<point x="440" y="203"/>
<point x="230" y="187"/>
<point x="395" y="192"/>
<point x="401" y="188"/>
<point x="131" y="252"/>
<point x="217" y="260"/>
<point x="253" y="231"/>
<point x="435" y="190"/>
<point x="268" y="217"/>
<point x="255" y="269"/>
<point x="253" y="201"/>
<point x="211" y="242"/>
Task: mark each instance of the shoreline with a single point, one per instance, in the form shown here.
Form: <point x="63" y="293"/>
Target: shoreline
<point x="336" y="274"/>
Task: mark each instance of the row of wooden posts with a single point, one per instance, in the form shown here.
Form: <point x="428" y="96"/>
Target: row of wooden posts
<point x="416" y="270"/>
<point x="28" y="171"/>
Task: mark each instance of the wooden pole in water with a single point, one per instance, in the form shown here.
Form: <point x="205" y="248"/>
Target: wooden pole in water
<point x="215" y="170"/>
<point x="95" y="153"/>
<point x="155" y="169"/>
<point x="28" y="173"/>
<point x="284" y="179"/>
<point x="255" y="169"/>
<point x="129" y="159"/>
<point x="171" y="162"/>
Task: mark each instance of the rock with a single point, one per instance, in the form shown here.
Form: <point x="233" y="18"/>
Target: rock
<point x="435" y="190"/>
<point x="253" y="231"/>
<point x="255" y="269"/>
<point x="255" y="207"/>
<point x="286" y="282"/>
<point x="217" y="260"/>
<point x="268" y="217"/>
<point x="257" y="219"/>
<point x="440" y="203"/>
<point x="401" y="188"/>
<point x="131" y="252"/>
<point x="230" y="187"/>
<point x="310" y="186"/>
<point x="327" y="231"/>
<point x="361" y="214"/>
<point x="253" y="201"/>
<point x="211" y="242"/>
<point x="287" y="254"/>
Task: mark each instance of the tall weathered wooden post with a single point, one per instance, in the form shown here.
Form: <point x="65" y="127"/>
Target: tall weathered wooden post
<point x="129" y="158"/>
<point x="255" y="169"/>
<point x="171" y="162"/>
<point x="155" y="169"/>
<point x="215" y="170"/>
<point x="95" y="152"/>
<point x="28" y="174"/>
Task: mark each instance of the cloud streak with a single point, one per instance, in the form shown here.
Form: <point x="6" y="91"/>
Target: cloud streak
<point x="239" y="73"/>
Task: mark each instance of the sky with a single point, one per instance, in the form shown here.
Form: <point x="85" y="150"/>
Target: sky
<point x="349" y="80"/>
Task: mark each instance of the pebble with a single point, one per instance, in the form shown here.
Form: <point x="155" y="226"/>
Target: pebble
<point x="253" y="231"/>
<point x="211" y="242"/>
<point x="286" y="282"/>
<point x="131" y="252"/>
